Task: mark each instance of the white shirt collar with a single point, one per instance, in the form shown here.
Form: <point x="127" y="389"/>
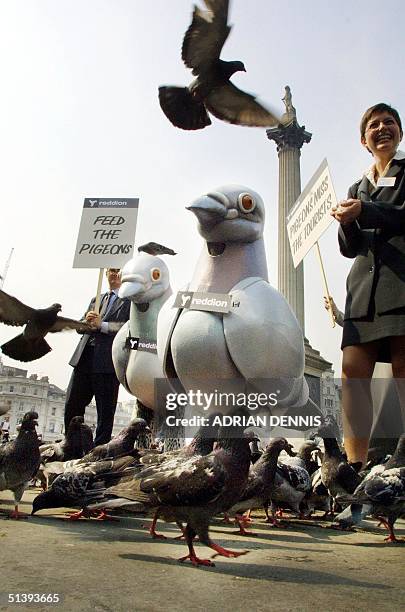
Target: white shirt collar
<point x="370" y="172"/>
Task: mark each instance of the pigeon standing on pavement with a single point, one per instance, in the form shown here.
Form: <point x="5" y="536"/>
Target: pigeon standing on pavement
<point x="19" y="460"/>
<point x="31" y="344"/>
<point x="122" y="444"/>
<point x="76" y="444"/>
<point x="212" y="91"/>
<point x="193" y="491"/>
<point x="260" y="483"/>
<point x="82" y="484"/>
<point x="338" y="475"/>
<point x="381" y="494"/>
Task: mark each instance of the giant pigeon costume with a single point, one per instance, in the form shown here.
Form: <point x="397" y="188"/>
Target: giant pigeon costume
<point x="259" y="340"/>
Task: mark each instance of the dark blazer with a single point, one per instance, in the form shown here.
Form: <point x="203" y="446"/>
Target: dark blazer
<point x="377" y="240"/>
<point x="115" y="317"/>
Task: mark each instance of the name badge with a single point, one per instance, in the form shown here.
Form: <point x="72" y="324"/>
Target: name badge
<point x="138" y="344"/>
<point x="386" y="181"/>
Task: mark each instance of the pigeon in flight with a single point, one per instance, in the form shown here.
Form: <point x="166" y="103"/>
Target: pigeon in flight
<point x="154" y="248"/>
<point x="186" y="107"/>
<point x="31" y="344"/>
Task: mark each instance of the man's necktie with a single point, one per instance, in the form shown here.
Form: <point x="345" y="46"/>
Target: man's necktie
<point x="107" y="302"/>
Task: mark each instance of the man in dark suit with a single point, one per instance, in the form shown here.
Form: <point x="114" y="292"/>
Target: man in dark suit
<point x="93" y="374"/>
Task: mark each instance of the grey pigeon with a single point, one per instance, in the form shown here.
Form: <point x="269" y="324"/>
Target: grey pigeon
<point x="122" y="444"/>
<point x="83" y="484"/>
<point x="304" y="457"/>
<point x="292" y="484"/>
<point x="338" y="475"/>
<point x="19" y="460"/>
<point x="154" y="248"/>
<point x="381" y="494"/>
<point x="194" y="491"/>
<point x="201" y="445"/>
<point x="212" y="91"/>
<point x="261" y="481"/>
<point x="31" y="344"/>
<point x="77" y="443"/>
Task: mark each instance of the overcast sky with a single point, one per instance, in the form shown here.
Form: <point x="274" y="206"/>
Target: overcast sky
<point x="80" y="117"/>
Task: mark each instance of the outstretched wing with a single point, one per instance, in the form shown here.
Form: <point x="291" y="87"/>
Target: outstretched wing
<point x="63" y="323"/>
<point x="233" y="105"/>
<point x="206" y="35"/>
<point x="12" y="311"/>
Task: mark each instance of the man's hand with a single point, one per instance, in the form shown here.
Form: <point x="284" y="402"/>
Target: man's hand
<point x="93" y="319"/>
<point x="347" y="211"/>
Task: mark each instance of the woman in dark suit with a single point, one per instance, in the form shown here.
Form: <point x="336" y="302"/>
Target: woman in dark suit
<point x="372" y="230"/>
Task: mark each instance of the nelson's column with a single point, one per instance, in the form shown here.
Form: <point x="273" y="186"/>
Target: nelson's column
<point x="289" y="137"/>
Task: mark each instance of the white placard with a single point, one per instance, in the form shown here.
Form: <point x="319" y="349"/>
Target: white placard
<point x="107" y="232"/>
<point x="309" y="216"/>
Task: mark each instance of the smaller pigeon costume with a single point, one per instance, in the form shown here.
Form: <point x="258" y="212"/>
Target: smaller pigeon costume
<point x="259" y="339"/>
<point x="145" y="281"/>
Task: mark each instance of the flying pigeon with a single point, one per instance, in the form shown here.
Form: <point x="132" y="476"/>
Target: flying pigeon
<point x="193" y="491"/>
<point x="154" y="248"/>
<point x="212" y="91"/>
<point x="31" y="344"/>
<point x="19" y="460"/>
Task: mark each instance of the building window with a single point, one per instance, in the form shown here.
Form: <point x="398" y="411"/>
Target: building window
<point x="21" y="406"/>
<point x="52" y="427"/>
<point x="35" y="391"/>
<point x="23" y="389"/>
<point x="11" y="388"/>
<point x="53" y="410"/>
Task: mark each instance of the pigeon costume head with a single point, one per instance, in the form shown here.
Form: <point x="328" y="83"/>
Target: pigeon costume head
<point x="144" y="278"/>
<point x="231" y="213"/>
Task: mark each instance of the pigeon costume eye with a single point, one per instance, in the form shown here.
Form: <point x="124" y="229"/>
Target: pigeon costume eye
<point x="246" y="202"/>
<point x="155" y="274"/>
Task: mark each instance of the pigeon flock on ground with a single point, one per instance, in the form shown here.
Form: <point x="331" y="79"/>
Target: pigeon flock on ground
<point x="213" y="477"/>
<point x="223" y="473"/>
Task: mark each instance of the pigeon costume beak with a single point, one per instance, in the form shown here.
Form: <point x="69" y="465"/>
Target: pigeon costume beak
<point x="132" y="286"/>
<point x="212" y="209"/>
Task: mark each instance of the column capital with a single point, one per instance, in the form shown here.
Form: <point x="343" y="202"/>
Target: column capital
<point x="289" y="136"/>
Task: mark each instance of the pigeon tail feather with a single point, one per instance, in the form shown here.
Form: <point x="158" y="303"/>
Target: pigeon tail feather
<point x="182" y="109"/>
<point x="21" y="349"/>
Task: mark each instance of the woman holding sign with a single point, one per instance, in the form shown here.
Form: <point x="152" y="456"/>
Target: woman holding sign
<point x="372" y="230"/>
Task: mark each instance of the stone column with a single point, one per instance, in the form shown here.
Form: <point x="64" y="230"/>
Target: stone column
<point x="289" y="137"/>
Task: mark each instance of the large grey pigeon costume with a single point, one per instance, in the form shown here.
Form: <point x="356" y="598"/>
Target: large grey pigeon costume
<point x="259" y="340"/>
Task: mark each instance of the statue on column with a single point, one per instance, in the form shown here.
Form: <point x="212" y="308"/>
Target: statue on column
<point x="290" y="113"/>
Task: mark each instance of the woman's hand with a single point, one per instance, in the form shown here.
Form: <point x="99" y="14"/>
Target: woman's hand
<point x="347" y="211"/>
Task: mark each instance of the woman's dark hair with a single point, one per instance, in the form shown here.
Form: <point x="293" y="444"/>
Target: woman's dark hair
<point x="379" y="108"/>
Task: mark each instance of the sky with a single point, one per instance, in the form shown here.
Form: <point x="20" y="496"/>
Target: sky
<point x="79" y="117"/>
